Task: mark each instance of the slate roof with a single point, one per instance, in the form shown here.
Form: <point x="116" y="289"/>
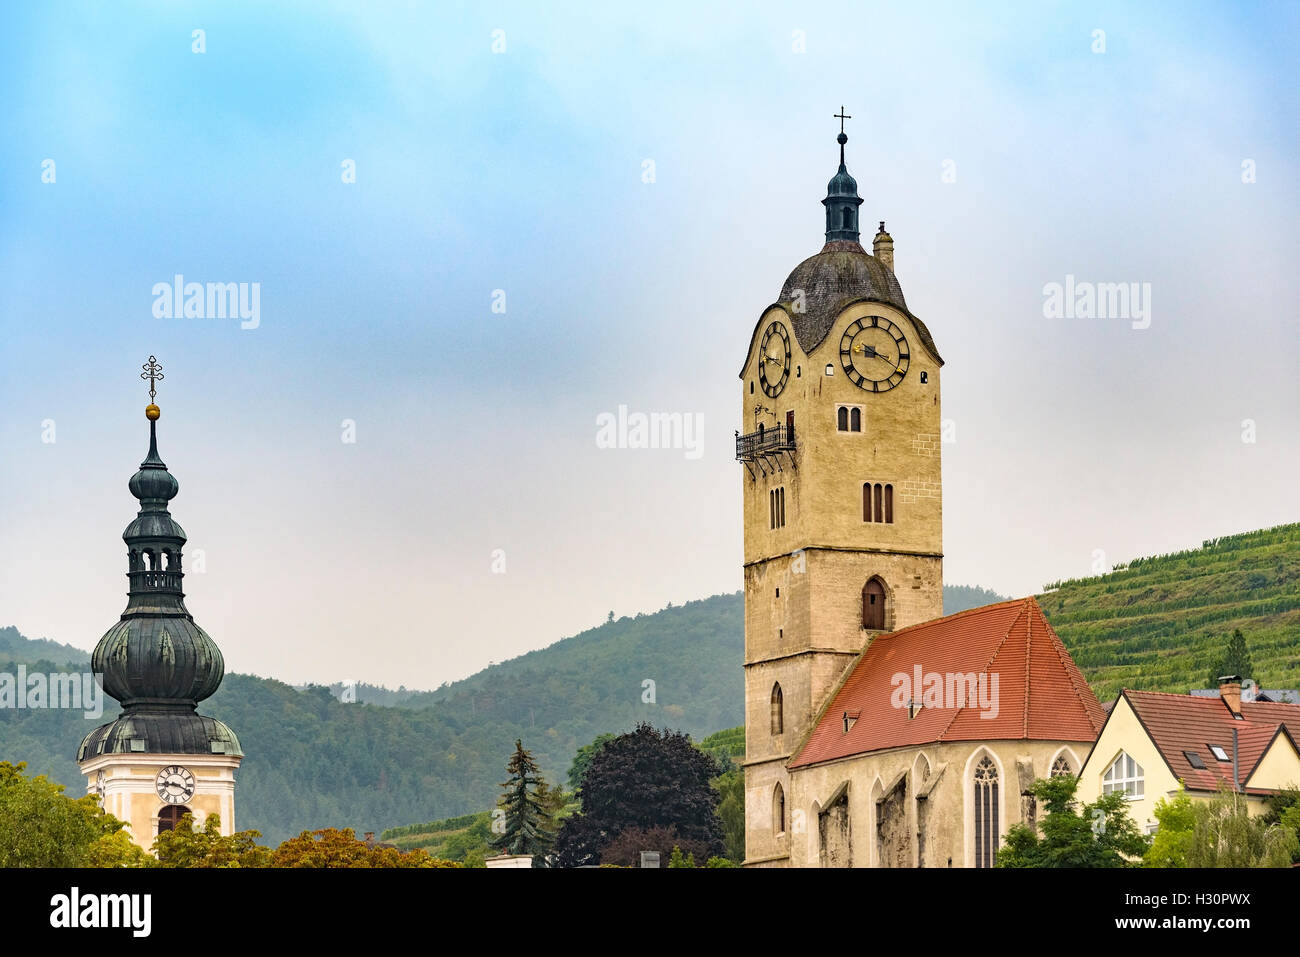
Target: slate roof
<point x="1041" y="693"/>
<point x="841" y="273"/>
<point x="1177" y="723"/>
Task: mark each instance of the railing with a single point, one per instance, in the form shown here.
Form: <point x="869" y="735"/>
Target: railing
<point x="150" y="580"/>
<point x="779" y="438"/>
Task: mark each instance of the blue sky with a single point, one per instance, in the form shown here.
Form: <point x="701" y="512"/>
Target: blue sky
<point x="522" y="171"/>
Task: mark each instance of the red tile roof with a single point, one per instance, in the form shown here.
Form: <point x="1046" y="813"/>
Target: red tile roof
<point x="1178" y="722"/>
<point x="1040" y="693"/>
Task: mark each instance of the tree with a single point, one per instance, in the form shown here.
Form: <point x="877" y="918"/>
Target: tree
<point x="1224" y="834"/>
<point x="625" y="849"/>
<point x="1235" y="660"/>
<point x="526" y="817"/>
<point x="644" y="779"/>
<point x="1175" y="821"/>
<point x="183" y="846"/>
<point x="331" y="847"/>
<point x="731" y="812"/>
<point x="583" y="758"/>
<point x="40" y="826"/>
<point x="1100" y="834"/>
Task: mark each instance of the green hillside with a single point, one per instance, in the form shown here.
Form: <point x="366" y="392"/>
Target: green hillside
<point x="1158" y="624"/>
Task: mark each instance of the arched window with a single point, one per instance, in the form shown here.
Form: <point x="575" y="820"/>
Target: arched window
<point x="778" y="717"/>
<point x="873" y="605"/>
<point x="170" y="816"/>
<point x="889" y="504"/>
<point x="1061" y="767"/>
<point x="778" y="809"/>
<point x="986" y="812"/>
<point x="866" y="501"/>
<point x="1124" y="775"/>
<point x="880" y="503"/>
<point x="842" y="418"/>
<point x="855" y="420"/>
<point x="848" y="218"/>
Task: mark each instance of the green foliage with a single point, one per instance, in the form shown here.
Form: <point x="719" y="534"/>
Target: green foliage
<point x="1235" y="660"/>
<point x="583" y="758"/>
<point x="1224" y="834"/>
<point x="40" y="826"/>
<point x="183" y="846"/>
<point x="962" y="597"/>
<point x="1159" y="624"/>
<point x="676" y="860"/>
<point x="527" y="818"/>
<point x="1175" y="821"/>
<point x="1100" y="834"/>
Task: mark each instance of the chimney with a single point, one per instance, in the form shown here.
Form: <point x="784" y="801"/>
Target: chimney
<point x="882" y="247"/>
<point x="1230" y="691"/>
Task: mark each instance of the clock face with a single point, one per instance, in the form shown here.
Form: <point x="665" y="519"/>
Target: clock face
<point x="774" y="359"/>
<point x="874" y="353"/>
<point x="175" y="784"/>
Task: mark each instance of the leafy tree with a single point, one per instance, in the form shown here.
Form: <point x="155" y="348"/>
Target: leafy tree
<point x="731" y="812"/>
<point x="1176" y="821"/>
<point x="40" y="826"/>
<point x="1224" y="834"/>
<point x="526" y="817"/>
<point x="183" y="846"/>
<point x="1235" y="660"/>
<point x="582" y="759"/>
<point x="677" y="860"/>
<point x="644" y="779"/>
<point x="330" y="847"/>
<point x="1100" y="834"/>
<point x="117" y="850"/>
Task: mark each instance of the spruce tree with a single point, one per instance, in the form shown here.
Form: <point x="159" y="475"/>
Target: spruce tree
<point x="526" y="818"/>
<point x="1235" y="661"/>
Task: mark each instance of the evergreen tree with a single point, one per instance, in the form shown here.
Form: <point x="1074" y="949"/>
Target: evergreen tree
<point x="1235" y="661"/>
<point x="526" y="817"/>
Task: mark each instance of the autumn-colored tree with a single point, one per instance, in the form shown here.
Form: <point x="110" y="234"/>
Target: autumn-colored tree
<point x="184" y="846"/>
<point x="331" y="847"/>
<point x="526" y="818"/>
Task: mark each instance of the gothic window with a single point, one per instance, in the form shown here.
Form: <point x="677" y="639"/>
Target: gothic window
<point x="1124" y="775"/>
<point x="873" y="605"/>
<point x="778" y="717"/>
<point x="986" y="812"/>
<point x="778" y="809"/>
<point x="855" y="420"/>
<point x="170" y="816"/>
<point x="842" y="418"/>
<point x="889" y="505"/>
<point x="866" y="501"/>
<point x="1061" y="767"/>
<point x="878" y="503"/>
<point x="776" y="507"/>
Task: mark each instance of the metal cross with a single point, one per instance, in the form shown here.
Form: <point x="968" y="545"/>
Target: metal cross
<point x="842" y="116"/>
<point x="152" y="372"/>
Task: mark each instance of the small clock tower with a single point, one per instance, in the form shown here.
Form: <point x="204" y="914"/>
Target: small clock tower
<point x="160" y="759"/>
<point x="842" y="492"/>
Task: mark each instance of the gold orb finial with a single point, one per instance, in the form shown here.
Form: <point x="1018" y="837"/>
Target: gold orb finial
<point x="151" y="412"/>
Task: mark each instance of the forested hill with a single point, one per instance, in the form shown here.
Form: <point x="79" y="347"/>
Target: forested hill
<point x="315" y="761"/>
<point x="1160" y="624"/>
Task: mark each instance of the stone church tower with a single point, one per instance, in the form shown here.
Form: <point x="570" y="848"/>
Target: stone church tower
<point x="160" y="759"/>
<point x="842" y="488"/>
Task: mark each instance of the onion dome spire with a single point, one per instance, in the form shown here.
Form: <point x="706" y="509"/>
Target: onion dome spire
<point x="156" y="661"/>
<point x="842" y="200"/>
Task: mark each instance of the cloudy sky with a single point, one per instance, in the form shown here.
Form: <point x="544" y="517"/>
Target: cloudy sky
<point x="637" y="181"/>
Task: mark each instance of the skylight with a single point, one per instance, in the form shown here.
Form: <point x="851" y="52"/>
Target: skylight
<point x="1218" y="752"/>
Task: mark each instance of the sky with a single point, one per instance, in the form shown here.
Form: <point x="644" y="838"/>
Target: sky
<point x="474" y="231"/>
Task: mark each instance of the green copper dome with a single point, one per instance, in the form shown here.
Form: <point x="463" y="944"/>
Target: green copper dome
<point x="156" y="661"/>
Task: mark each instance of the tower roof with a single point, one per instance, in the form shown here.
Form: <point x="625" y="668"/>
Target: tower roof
<point x="156" y="661"/>
<point x="1040" y="694"/>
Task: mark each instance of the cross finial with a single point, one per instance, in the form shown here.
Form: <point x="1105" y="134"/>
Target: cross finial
<point x="152" y="372"/>
<point x="842" y="116"/>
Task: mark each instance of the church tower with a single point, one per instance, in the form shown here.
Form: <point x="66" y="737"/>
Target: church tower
<point x="160" y="759"/>
<point x="842" y="494"/>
